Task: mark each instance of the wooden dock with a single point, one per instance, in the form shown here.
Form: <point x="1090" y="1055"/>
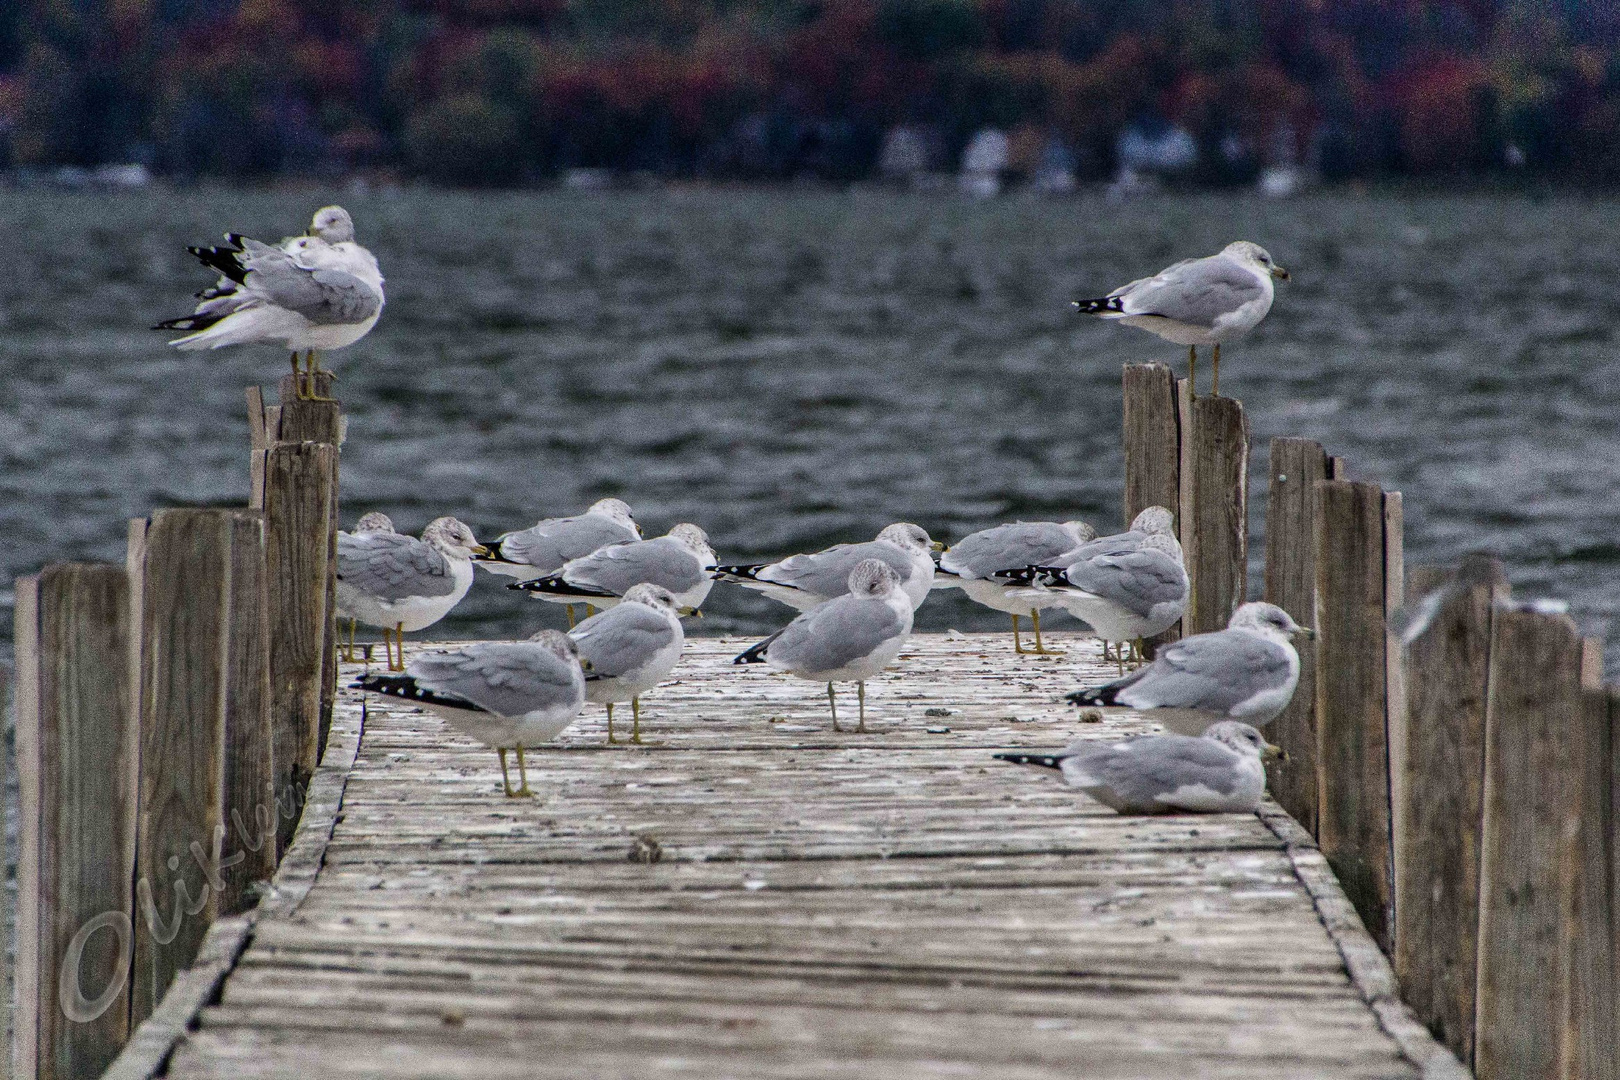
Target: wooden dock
<point x="751" y="895"/>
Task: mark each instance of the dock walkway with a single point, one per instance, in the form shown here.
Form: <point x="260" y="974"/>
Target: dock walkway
<point x="752" y="895"/>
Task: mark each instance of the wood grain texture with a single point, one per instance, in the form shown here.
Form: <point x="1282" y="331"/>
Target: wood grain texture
<point x="298" y="524"/>
<point x="26" y="717"/>
<point x="1437" y="818"/>
<point x="1152" y="441"/>
<point x="1214" y="508"/>
<point x="1352" y="744"/>
<point x="894" y="904"/>
<point x="249" y="849"/>
<point x="1295" y="465"/>
<point x="184" y="676"/>
<point x="1594" y="1005"/>
<point x="1532" y="804"/>
<point x="259" y="439"/>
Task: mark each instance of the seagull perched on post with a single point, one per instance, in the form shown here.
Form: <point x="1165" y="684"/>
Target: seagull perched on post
<point x="1197" y="301"/>
<point x="313" y="292"/>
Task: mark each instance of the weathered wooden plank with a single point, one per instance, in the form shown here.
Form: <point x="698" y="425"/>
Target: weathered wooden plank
<point x="1214" y="508"/>
<point x="259" y="439"/>
<point x="298" y="527"/>
<point x="1594" y="1039"/>
<point x="1352" y="749"/>
<point x="27" y="720"/>
<point x="1532" y="802"/>
<point x="184" y="678"/>
<point x="8" y="910"/>
<point x="1437" y="818"/>
<point x="248" y="807"/>
<point x="1152" y="439"/>
<point x="1295" y="467"/>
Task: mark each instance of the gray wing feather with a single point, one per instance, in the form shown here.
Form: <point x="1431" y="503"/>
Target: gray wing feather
<point x="324" y="297"/>
<point x="549" y="544"/>
<point x="390" y="566"/>
<point x="1117" y="544"/>
<point x="1136" y="580"/>
<point x="826" y="573"/>
<point x="660" y="561"/>
<point x="621" y="639"/>
<point x="1212" y="672"/>
<point x="1008" y="547"/>
<point x="839" y="632"/>
<point x="1196" y="292"/>
<point x="506" y="678"/>
<point x="1142" y="769"/>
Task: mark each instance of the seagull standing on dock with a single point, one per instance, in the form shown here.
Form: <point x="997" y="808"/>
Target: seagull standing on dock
<point x="315" y="292"/>
<point x="400" y="583"/>
<point x="629" y="649"/>
<point x="678" y="561"/>
<point x="507" y="695"/>
<point x="1198" y="301"/>
<point x="1246" y="672"/>
<point x="1218" y="772"/>
<point x="848" y="638"/>
<point x="374" y="522"/>
<point x="973" y="561"/>
<point x="543" y="548"/>
<point x="803" y="581"/>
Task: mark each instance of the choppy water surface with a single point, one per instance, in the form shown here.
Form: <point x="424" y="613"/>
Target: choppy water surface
<point x="794" y="369"/>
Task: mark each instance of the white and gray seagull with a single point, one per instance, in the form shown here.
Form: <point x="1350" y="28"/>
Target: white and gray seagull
<point x="509" y="695"/>
<point x="973" y="562"/>
<point x="629" y="649"/>
<point x="316" y="292"/>
<point x="848" y="638"/>
<point x="678" y="561"/>
<point x="1218" y="772"/>
<point x="1246" y="672"/>
<point x="803" y="581"/>
<point x="1197" y="301"/>
<point x="544" y="547"/>
<point x="400" y="583"/>
<point x="1126" y="595"/>
<point x="374" y="522"/>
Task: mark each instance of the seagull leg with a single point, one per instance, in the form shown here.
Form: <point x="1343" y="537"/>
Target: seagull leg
<point x="523" y="776"/>
<point x="590" y="611"/>
<point x="1215" y="387"/>
<point x="1035" y="617"/>
<point x="611" y="739"/>
<point x="635" y="726"/>
<point x="570" y="609"/>
<point x="832" y="703"/>
<point x="1192" y="372"/>
<point x="860" y="690"/>
<point x="506" y="781"/>
<point x="314" y="364"/>
<point x="1119" y="655"/>
<point x="1018" y="646"/>
<point x="388" y="651"/>
<point x="399" y="645"/>
<point x="298" y="378"/>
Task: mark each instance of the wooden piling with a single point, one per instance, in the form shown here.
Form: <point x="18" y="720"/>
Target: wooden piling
<point x="298" y="525"/>
<point x="1531" y="816"/>
<point x="76" y="768"/>
<point x="1295" y="467"/>
<point x="1437" y="816"/>
<point x="1593" y="1051"/>
<point x="1214" y="478"/>
<point x="248" y="809"/>
<point x="1152" y="439"/>
<point x="321" y="422"/>
<point x="1352" y="776"/>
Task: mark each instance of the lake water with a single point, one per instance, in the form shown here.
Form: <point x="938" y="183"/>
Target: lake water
<point x="792" y="369"/>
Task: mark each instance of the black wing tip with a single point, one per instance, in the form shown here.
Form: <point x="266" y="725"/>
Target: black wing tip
<point x="556" y="586"/>
<point x="1098" y="695"/>
<point x="743" y="571"/>
<point x="1098" y="305"/>
<point x="406" y="688"/>
<point x="754" y="654"/>
<point x="1046" y="761"/>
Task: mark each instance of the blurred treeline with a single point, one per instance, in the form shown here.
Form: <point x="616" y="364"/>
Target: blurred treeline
<point x="512" y="91"/>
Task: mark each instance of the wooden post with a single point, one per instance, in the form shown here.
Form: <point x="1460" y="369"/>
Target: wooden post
<point x="322" y="422"/>
<point x="1437" y="815"/>
<point x="1532" y="803"/>
<point x="1152" y="452"/>
<point x="248" y="809"/>
<point x="298" y="517"/>
<point x="1593" y="1051"/>
<point x="1352" y="776"/>
<point x="1295" y="467"/>
<point x="260" y="436"/>
<point x="1214" y="508"/>
<point x="76" y="740"/>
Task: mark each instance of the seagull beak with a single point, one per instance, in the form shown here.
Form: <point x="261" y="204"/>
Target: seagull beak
<point x="936" y="545"/>
<point x="482" y="552"/>
<point x="685" y="609"/>
<point x="1308" y="632"/>
<point x="1279" y="273"/>
<point x="1275" y="753"/>
<point x="585" y="665"/>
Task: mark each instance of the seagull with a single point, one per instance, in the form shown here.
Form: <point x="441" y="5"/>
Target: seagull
<point x="1197" y="301"/>
<point x="320" y="291"/>
<point x="850" y="637"/>
<point x="678" y="561"/>
<point x="630" y="648"/>
<point x="1246" y="672"/>
<point x="973" y="561"/>
<point x="803" y="581"/>
<point x="507" y="695"/>
<point x="374" y="522"/>
<point x="1218" y="772"/>
<point x="542" y="548"/>
<point x="1124" y="595"/>
<point x="401" y="583"/>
